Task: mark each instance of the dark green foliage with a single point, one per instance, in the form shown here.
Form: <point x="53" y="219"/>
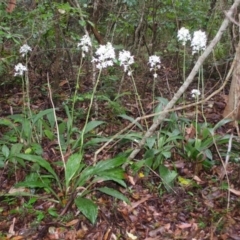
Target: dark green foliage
<point x="55" y="145"/>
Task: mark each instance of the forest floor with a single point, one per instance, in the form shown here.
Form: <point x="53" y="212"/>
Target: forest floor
<point x="203" y="209"/>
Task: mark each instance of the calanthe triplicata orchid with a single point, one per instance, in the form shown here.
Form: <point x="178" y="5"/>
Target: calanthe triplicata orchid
<point x="126" y="59"/>
<point x="154" y="62"/>
<point x="199" y="41"/>
<point x="24" y="49"/>
<point x="105" y="55"/>
<point x="183" y="35"/>
<point x="85" y="44"/>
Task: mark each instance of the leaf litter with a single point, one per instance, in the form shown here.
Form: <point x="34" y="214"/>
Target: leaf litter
<point x="195" y="209"/>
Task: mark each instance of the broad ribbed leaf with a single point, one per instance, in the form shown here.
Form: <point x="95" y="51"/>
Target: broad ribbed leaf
<point x="105" y="178"/>
<point x="167" y="176"/>
<point x="91" y="125"/>
<point x="132" y="120"/>
<point x="16" y="149"/>
<point x="114" y="193"/>
<point x="110" y="163"/>
<point x="42" y="162"/>
<point x="115" y="175"/>
<point x="72" y="166"/>
<point x="5" y="151"/>
<point x="88" y="208"/>
<point x="41" y="114"/>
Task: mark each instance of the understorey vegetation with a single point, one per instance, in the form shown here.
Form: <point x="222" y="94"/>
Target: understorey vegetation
<point x="118" y="121"/>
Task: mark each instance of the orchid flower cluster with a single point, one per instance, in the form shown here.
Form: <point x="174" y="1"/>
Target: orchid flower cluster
<point x="85" y="44"/>
<point x="24" y="49"/>
<point x="126" y="59"/>
<point x="20" y="68"/>
<point x="183" y="35"/>
<point x="198" y="42"/>
<point x="105" y="56"/>
<point x="154" y="62"/>
<point x="195" y="93"/>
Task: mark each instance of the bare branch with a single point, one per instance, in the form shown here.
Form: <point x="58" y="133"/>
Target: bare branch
<point x="231" y="19"/>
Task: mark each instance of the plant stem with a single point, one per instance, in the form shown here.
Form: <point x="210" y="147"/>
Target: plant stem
<point x="75" y="93"/>
<point x="89" y="110"/>
<point x="196" y="125"/>
<point x="55" y="118"/>
<point x="184" y="71"/>
<point x="153" y="90"/>
<point x="203" y="93"/>
<point x="138" y="99"/>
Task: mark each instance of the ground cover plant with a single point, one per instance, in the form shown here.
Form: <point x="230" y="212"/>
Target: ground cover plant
<point x="115" y="123"/>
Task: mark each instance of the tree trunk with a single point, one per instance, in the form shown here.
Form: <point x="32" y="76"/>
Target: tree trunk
<point x="232" y="109"/>
<point x="11" y="5"/>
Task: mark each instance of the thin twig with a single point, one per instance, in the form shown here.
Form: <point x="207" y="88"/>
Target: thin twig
<point x="229" y="150"/>
<point x="231" y="19"/>
<point x="225" y="172"/>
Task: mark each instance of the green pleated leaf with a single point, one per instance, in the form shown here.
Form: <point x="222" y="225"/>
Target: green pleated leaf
<point x="91" y="125"/>
<point x="110" y="164"/>
<point x="42" y="162"/>
<point x="168" y="176"/>
<point x="115" y="175"/>
<point x="114" y="193"/>
<point x="88" y="208"/>
<point x="105" y="178"/>
<point x="32" y="184"/>
<point x="41" y="114"/>
<point x="72" y="167"/>
<point x="132" y="120"/>
<point x="5" y="151"/>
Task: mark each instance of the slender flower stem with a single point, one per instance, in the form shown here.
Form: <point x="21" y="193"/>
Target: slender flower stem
<point x="153" y="90"/>
<point x="195" y="94"/>
<point x="75" y="93"/>
<point x="203" y="94"/>
<point x="184" y="62"/>
<point x="29" y="110"/>
<point x="196" y="125"/>
<point x="184" y="71"/>
<point x="89" y="110"/>
<point x="138" y="99"/>
<point x="55" y="118"/>
<point x="120" y="85"/>
<point x="184" y="36"/>
<point x="23" y="95"/>
<point x="198" y="87"/>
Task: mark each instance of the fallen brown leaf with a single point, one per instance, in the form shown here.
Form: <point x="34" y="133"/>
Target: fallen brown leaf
<point x="134" y="205"/>
<point x="17" y="238"/>
<point x="184" y="225"/>
<point x="197" y="179"/>
<point x="73" y="222"/>
<point x="11" y="228"/>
